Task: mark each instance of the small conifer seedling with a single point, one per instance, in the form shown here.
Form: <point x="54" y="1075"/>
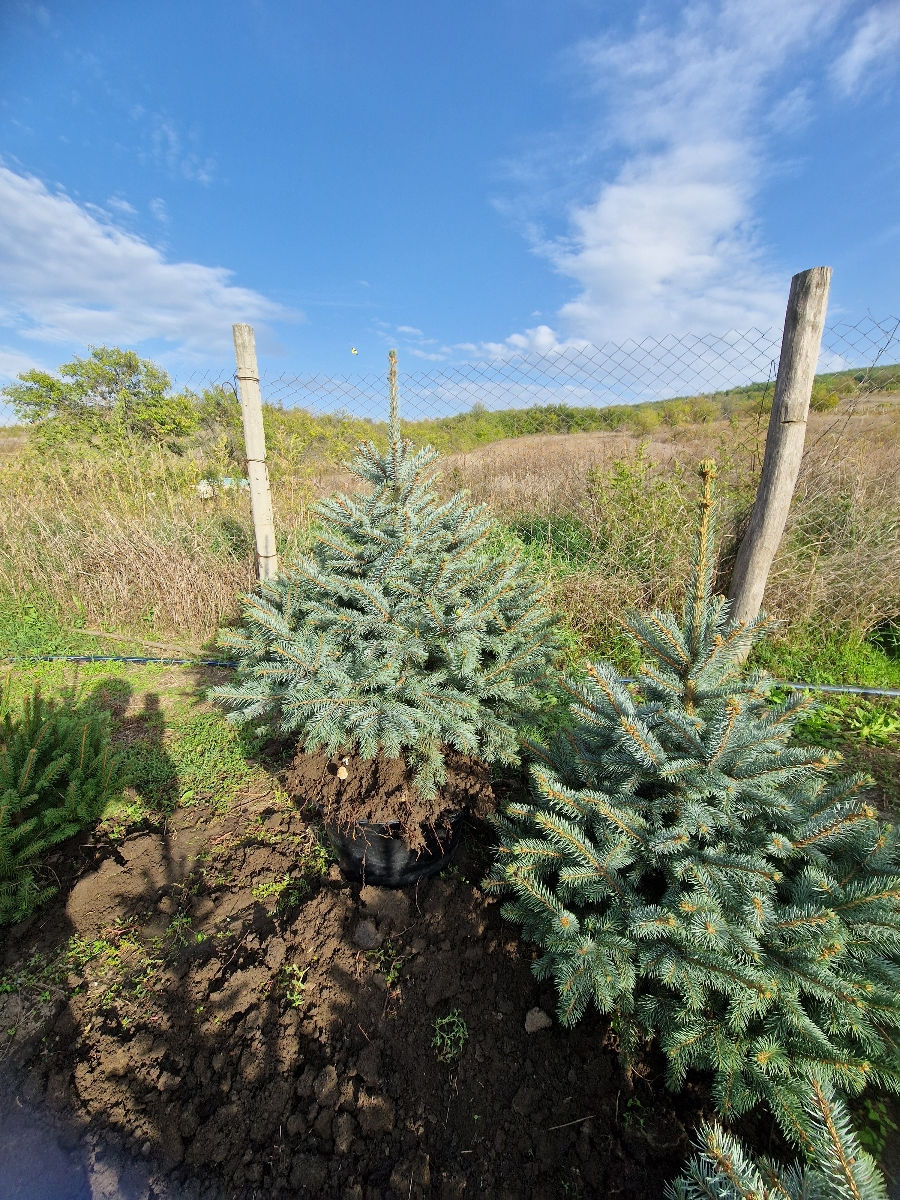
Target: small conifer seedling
<point x="401" y="633"/>
<point x="687" y="867"/>
<point x="57" y="775"/>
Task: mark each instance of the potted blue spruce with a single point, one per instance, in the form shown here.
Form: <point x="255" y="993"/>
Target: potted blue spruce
<point x="401" y="655"/>
<point x="688" y="868"/>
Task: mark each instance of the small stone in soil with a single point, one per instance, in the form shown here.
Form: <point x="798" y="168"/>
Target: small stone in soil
<point x="536" y="1019"/>
<point x="366" y="935"/>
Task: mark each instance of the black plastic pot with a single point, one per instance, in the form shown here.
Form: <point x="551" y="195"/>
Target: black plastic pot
<point x="378" y="854"/>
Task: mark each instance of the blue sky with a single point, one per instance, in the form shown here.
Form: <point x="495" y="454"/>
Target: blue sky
<point x="459" y="179"/>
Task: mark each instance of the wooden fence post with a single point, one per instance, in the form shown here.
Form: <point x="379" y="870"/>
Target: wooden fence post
<point x="803" y="323"/>
<point x="255" y="443"/>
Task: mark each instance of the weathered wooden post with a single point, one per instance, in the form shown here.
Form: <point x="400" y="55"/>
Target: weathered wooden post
<point x="803" y="323"/>
<point x="255" y="442"/>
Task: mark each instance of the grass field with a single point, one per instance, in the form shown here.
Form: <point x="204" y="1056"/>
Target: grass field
<point x="110" y="555"/>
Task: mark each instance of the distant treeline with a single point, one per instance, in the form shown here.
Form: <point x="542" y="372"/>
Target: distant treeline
<point x="480" y="425"/>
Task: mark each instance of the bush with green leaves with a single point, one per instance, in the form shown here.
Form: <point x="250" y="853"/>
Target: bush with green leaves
<point x="111" y="395"/>
<point x="401" y="632"/>
<point x="685" y="866"/>
<point x="57" y="774"/>
<point x="835" y="1167"/>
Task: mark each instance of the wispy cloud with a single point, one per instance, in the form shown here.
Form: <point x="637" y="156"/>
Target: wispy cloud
<point x="168" y="149"/>
<point x="122" y="206"/>
<point x="872" y="51"/>
<point x="664" y="233"/>
<point x="38" y="12"/>
<point x="70" y="276"/>
<point x="412" y="340"/>
<point x="13" y="363"/>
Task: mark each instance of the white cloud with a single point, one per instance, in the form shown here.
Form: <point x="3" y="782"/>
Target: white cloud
<point x="37" y="11"/>
<point x="69" y="277"/>
<point x="121" y="205"/>
<point x="159" y="209"/>
<point x="664" y="236"/>
<point x="410" y="329"/>
<point x="539" y="340"/>
<point x="872" y="50"/>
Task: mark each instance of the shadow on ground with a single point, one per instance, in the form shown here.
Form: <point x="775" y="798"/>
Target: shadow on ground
<point x="230" y="1039"/>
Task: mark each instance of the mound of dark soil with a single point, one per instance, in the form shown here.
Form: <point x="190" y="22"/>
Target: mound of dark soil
<point x="381" y="789"/>
<point x="202" y="1016"/>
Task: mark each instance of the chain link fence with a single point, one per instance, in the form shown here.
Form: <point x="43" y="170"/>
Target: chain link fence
<point x="608" y="510"/>
<point x="857" y="359"/>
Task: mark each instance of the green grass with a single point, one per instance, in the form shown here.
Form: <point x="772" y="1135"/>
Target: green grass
<point x="805" y="655"/>
<point x="864" y="730"/>
<point x="211" y="758"/>
<point x="31" y="627"/>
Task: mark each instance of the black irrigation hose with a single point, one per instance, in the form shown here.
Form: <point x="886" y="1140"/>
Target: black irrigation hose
<point x="212" y="662"/>
<point x="92" y="658"/>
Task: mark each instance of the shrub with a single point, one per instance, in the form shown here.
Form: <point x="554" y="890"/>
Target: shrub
<point x="56" y="776"/>
<point x="684" y="866"/>
<point x="109" y="396"/>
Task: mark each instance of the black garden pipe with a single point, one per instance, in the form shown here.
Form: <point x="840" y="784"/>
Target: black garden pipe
<point x="855" y="690"/>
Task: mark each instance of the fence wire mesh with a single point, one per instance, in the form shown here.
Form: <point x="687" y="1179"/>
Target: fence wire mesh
<point x="857" y="359"/>
<point x="606" y="512"/>
<point x="609" y="511"/>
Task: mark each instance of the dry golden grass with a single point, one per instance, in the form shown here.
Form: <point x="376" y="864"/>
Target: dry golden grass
<point x="839" y="561"/>
<point x="128" y="545"/>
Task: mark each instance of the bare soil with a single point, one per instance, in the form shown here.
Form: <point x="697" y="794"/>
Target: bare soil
<point x="175" y="1027"/>
<point x="269" y="1052"/>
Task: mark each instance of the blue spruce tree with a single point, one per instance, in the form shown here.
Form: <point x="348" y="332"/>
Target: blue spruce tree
<point x="684" y="865"/>
<point x="836" y="1168"/>
<point x="402" y="633"/>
